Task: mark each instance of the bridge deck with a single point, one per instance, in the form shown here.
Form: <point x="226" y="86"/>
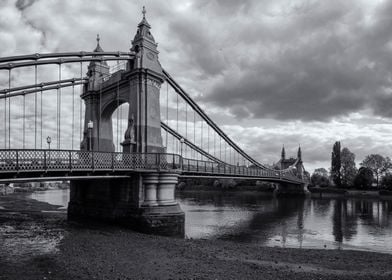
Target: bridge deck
<point x="32" y="164"/>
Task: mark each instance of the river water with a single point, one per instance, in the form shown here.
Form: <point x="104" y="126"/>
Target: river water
<point x="360" y="224"/>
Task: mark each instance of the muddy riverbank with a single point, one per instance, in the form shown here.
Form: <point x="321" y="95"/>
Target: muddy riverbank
<point x="38" y="244"/>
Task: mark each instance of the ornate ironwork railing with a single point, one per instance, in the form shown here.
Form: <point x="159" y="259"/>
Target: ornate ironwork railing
<point x="18" y="161"/>
<point x="208" y="167"/>
<point x="67" y="160"/>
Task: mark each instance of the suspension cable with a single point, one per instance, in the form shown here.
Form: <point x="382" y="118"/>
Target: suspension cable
<point x="177" y="123"/>
<point x="41" y="117"/>
<point x="208" y="138"/>
<point x="80" y="104"/>
<point x="5" y="121"/>
<point x="118" y="118"/>
<point x="194" y="131"/>
<point x="225" y="150"/>
<point x="214" y="143"/>
<point x="220" y="148"/>
<point x="186" y="125"/>
<point x="201" y="135"/>
<point x="229" y="155"/>
<point x="100" y="109"/>
<point x="59" y="112"/>
<point x="24" y="121"/>
<point x="35" y="111"/>
<point x="121" y="123"/>
<point x="9" y="111"/>
<point x="73" y="115"/>
<point x="167" y="114"/>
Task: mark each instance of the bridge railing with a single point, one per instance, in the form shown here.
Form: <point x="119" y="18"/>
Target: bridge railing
<point x="35" y="160"/>
<point x="15" y="161"/>
<point x="209" y="167"/>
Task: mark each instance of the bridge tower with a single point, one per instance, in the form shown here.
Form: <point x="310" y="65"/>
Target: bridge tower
<point x="287" y="189"/>
<point x="139" y="86"/>
<point x="146" y="201"/>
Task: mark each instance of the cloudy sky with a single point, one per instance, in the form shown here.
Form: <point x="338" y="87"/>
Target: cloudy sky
<point x="269" y="72"/>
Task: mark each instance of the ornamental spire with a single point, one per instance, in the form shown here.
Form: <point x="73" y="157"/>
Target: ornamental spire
<point x="98" y="47"/>
<point x="283" y="154"/>
<point x="299" y="153"/>
<point x="144" y="21"/>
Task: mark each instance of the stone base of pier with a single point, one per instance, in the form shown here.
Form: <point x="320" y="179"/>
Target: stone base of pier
<point x="145" y="203"/>
<point x="286" y="189"/>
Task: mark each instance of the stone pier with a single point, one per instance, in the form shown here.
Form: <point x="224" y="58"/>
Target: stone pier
<point x="145" y="203"/>
<point x="287" y="189"/>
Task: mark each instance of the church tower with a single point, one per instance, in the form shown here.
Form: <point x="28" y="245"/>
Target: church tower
<point x="299" y="166"/>
<point x="283" y="154"/>
<point x="299" y="154"/>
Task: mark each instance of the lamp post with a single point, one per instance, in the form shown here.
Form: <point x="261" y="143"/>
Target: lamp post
<point x="48" y="140"/>
<point x="182" y="140"/>
<point x="90" y="126"/>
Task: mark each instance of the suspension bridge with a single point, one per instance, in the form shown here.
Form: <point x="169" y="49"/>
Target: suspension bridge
<point x="49" y="133"/>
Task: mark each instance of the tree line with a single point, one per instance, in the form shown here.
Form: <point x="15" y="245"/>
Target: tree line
<point x="374" y="170"/>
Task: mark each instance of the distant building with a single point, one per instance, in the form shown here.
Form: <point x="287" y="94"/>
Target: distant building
<point x="295" y="163"/>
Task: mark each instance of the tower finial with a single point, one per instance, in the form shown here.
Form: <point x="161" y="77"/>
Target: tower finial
<point x="144" y="12"/>
<point x="98" y="47"/>
<point x="299" y="153"/>
<point x="283" y="154"/>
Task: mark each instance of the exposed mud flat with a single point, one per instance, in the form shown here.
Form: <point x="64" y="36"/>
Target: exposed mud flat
<point x="43" y="245"/>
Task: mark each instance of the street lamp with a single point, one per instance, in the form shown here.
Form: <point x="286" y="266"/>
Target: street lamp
<point x="90" y="126"/>
<point x="48" y="140"/>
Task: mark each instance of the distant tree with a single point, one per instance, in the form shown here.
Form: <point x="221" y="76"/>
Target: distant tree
<point x="321" y="171"/>
<point x="276" y="167"/>
<point x="364" y="178"/>
<point x="318" y="180"/>
<point x="336" y="164"/>
<point x="348" y="170"/>
<point x="377" y="164"/>
<point x="386" y="181"/>
<point x="387" y="166"/>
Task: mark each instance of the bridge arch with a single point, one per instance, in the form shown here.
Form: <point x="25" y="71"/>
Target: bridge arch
<point x="115" y="118"/>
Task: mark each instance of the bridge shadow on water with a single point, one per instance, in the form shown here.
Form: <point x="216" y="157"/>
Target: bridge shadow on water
<point x="236" y="216"/>
<point x="241" y="217"/>
<point x="289" y="222"/>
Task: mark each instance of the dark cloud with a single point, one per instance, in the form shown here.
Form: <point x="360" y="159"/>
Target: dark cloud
<point x="324" y="61"/>
<point x="196" y="42"/>
<point x="23" y="4"/>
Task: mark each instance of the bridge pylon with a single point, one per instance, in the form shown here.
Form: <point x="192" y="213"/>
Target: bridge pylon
<point x="146" y="202"/>
<point x="139" y="86"/>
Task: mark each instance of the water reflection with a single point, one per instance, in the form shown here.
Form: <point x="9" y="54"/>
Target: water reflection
<point x="55" y="197"/>
<point x="304" y="223"/>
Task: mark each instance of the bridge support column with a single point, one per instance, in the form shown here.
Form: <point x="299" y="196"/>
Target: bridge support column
<point x="150" y="183"/>
<point x="166" y="189"/>
<point x="145" y="203"/>
<point x="287" y="189"/>
<point x="166" y="217"/>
